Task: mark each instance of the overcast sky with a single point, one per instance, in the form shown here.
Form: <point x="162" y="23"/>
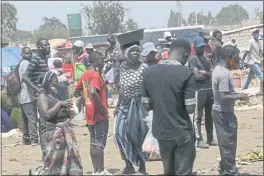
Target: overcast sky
<point x="146" y="13"/>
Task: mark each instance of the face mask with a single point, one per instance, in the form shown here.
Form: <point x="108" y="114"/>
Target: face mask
<point x="256" y="36"/>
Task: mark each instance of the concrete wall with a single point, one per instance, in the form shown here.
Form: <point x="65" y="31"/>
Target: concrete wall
<point x="241" y="37"/>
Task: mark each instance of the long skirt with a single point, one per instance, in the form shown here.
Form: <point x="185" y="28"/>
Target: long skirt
<point x="62" y="152"/>
<point x="131" y="130"/>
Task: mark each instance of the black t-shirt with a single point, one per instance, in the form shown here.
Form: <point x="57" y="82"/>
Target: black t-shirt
<point x="201" y="63"/>
<point x="169" y="88"/>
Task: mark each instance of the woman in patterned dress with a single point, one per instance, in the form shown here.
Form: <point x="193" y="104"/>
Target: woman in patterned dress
<point x="131" y="128"/>
<point x="62" y="156"/>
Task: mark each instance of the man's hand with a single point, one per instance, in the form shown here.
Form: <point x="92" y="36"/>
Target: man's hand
<point x="69" y="102"/>
<point x="115" y="111"/>
<point x="64" y="104"/>
<point x="103" y="111"/>
<point x="205" y="73"/>
<point x="243" y="96"/>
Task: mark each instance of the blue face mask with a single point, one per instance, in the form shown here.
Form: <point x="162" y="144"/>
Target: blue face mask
<point x="256" y="36"/>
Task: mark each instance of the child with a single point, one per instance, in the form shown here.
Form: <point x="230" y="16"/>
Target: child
<point x="63" y="82"/>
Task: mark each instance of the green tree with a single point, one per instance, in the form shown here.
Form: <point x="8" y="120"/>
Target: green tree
<point x="175" y="19"/>
<point x="8" y="19"/>
<point x="131" y="25"/>
<point x="51" y="33"/>
<point x="233" y="14"/>
<point x="51" y="28"/>
<point x="192" y="18"/>
<point x="104" y="16"/>
<point x="260" y="15"/>
<point x="52" y="22"/>
<point x="201" y="19"/>
<point x="21" y="35"/>
<point x="210" y="18"/>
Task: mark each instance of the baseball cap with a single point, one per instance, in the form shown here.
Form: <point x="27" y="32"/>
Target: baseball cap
<point x="147" y="48"/>
<point x="205" y="34"/>
<point x="254" y="30"/>
<point x="79" y="43"/>
<point x="199" y="41"/>
<point x="88" y="46"/>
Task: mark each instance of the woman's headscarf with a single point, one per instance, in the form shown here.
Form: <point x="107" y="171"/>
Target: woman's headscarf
<point x="44" y="78"/>
<point x="127" y="50"/>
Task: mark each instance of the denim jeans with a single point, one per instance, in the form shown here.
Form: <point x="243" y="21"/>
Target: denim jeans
<point x="253" y="70"/>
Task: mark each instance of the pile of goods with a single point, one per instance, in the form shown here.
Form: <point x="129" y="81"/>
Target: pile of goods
<point x="253" y="156"/>
<point x="239" y="73"/>
<point x="240" y="76"/>
<point x="243" y="103"/>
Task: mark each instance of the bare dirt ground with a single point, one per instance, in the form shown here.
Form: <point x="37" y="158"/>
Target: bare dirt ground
<point x="17" y="160"/>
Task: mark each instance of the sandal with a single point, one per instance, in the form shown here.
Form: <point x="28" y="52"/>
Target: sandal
<point x="37" y="171"/>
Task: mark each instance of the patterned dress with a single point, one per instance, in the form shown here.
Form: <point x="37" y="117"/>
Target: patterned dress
<point x="131" y="129"/>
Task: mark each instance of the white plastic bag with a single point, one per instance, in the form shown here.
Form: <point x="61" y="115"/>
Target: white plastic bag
<point x="151" y="145"/>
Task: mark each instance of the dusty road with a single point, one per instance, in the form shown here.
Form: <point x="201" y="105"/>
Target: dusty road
<point x="17" y="160"/>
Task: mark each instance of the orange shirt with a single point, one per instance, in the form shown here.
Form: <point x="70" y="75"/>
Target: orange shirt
<point x="92" y="79"/>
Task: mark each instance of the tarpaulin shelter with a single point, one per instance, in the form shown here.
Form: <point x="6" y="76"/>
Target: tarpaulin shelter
<point x="11" y="56"/>
<point x="67" y="45"/>
<point x="54" y="43"/>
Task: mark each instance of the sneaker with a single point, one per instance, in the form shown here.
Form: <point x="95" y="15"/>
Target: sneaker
<point x="95" y="173"/>
<point x="34" y="144"/>
<point x="105" y="172"/>
<point x="202" y="144"/>
<point x="212" y="143"/>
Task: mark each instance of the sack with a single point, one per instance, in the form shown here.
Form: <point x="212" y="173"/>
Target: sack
<point x="151" y="145"/>
<point x="13" y="81"/>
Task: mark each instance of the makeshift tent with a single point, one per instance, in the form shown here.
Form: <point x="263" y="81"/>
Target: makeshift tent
<point x="67" y="45"/>
<point x="11" y="56"/>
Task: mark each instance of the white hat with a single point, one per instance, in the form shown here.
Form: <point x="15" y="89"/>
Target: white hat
<point x="79" y="43"/>
<point x="88" y="46"/>
<point x="254" y="30"/>
<point x="147" y="48"/>
<point x="167" y="34"/>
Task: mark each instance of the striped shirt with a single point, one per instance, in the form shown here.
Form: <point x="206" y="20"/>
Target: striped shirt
<point x="37" y="66"/>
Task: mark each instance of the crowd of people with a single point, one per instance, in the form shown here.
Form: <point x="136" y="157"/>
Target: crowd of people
<point x="187" y="79"/>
